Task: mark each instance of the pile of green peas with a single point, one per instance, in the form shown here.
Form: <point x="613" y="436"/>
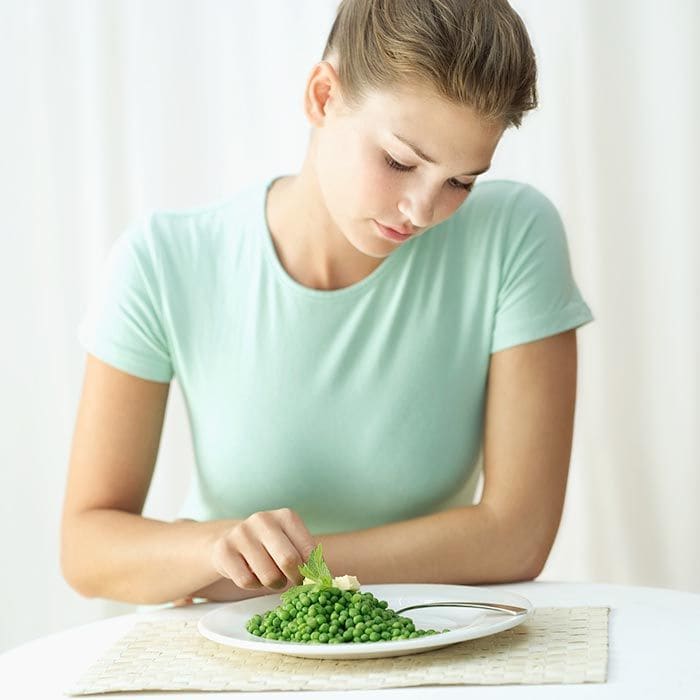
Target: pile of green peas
<point x="333" y="616"/>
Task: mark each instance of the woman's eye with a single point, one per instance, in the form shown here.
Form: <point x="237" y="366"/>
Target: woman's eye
<point x="461" y="185"/>
<point x="394" y="164"/>
<point x="403" y="168"/>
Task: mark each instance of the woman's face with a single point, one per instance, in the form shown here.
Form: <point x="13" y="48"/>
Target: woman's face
<point x="359" y="160"/>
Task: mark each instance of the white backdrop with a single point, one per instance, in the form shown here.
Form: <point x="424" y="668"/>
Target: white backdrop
<point x="116" y="107"/>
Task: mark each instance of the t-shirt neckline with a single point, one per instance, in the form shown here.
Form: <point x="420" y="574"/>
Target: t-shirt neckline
<point x="285" y="278"/>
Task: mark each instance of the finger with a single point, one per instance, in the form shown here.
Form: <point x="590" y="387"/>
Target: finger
<point x="261" y="536"/>
<point x="231" y="564"/>
<point x="300" y="538"/>
<point x="271" y="553"/>
<point x="265" y="567"/>
<point x="286" y="558"/>
<point x="244" y="576"/>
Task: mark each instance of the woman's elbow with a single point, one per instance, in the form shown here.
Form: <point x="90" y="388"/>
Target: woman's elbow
<point x="72" y="560"/>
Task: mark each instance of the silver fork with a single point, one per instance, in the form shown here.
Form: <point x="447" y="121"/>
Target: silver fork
<point x="499" y="607"/>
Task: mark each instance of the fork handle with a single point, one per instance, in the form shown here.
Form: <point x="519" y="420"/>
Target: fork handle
<point x="499" y="607"/>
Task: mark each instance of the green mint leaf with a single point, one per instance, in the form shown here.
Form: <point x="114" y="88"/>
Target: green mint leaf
<point x="316" y="569"/>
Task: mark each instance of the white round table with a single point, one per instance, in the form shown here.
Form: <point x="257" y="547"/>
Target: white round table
<point x="654" y="651"/>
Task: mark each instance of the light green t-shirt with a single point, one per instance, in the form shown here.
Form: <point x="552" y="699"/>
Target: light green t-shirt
<point x="354" y="407"/>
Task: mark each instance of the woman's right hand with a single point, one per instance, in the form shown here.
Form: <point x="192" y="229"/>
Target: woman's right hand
<point x="264" y="550"/>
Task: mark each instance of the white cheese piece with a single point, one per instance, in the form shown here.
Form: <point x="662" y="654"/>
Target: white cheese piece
<point x="344" y="583"/>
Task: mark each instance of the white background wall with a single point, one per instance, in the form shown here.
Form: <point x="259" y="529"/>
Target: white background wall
<point x="112" y="108"/>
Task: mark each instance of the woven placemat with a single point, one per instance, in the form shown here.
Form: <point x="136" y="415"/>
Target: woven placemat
<point x="556" y="645"/>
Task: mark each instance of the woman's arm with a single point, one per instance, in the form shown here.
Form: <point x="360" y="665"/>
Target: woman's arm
<point x="508" y="536"/>
<point x="108" y="549"/>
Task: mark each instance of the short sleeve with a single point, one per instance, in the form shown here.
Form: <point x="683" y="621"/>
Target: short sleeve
<point x="537" y="295"/>
<point x="123" y="325"/>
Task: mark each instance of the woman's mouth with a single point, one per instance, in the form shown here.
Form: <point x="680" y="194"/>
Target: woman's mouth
<point x="392" y="234"/>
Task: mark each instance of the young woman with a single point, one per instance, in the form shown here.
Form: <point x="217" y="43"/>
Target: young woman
<point x="349" y="340"/>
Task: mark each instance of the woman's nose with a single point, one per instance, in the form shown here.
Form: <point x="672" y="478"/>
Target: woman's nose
<point x="418" y="208"/>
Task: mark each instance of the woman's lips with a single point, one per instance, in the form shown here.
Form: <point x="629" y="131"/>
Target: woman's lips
<point x="391" y="233"/>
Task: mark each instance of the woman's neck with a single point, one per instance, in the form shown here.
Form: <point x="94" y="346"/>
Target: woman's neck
<point x="308" y="244"/>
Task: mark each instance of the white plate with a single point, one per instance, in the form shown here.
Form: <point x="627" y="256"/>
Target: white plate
<point x="226" y="625"/>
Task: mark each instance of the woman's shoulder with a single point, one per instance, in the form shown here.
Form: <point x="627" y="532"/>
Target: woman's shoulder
<point x="501" y="221"/>
<point x="509" y="193"/>
<point x="506" y="209"/>
<point x="496" y="207"/>
<point x="238" y="203"/>
<point x="241" y="195"/>
<point x="170" y="233"/>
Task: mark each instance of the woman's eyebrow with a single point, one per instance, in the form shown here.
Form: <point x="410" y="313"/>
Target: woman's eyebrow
<point x="428" y="159"/>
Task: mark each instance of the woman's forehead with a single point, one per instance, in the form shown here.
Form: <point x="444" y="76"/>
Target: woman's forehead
<point x="410" y="112"/>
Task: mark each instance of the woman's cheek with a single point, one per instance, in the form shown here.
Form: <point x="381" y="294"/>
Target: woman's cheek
<point x="378" y="190"/>
<point x="375" y="194"/>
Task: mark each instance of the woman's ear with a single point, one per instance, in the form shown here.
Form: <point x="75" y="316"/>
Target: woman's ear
<point x="322" y="96"/>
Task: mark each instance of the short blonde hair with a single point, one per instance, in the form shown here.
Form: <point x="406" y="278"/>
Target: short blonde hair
<point x="475" y="53"/>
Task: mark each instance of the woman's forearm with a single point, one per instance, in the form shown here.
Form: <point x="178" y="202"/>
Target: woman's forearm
<point x="123" y="556"/>
<point x="467" y="545"/>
